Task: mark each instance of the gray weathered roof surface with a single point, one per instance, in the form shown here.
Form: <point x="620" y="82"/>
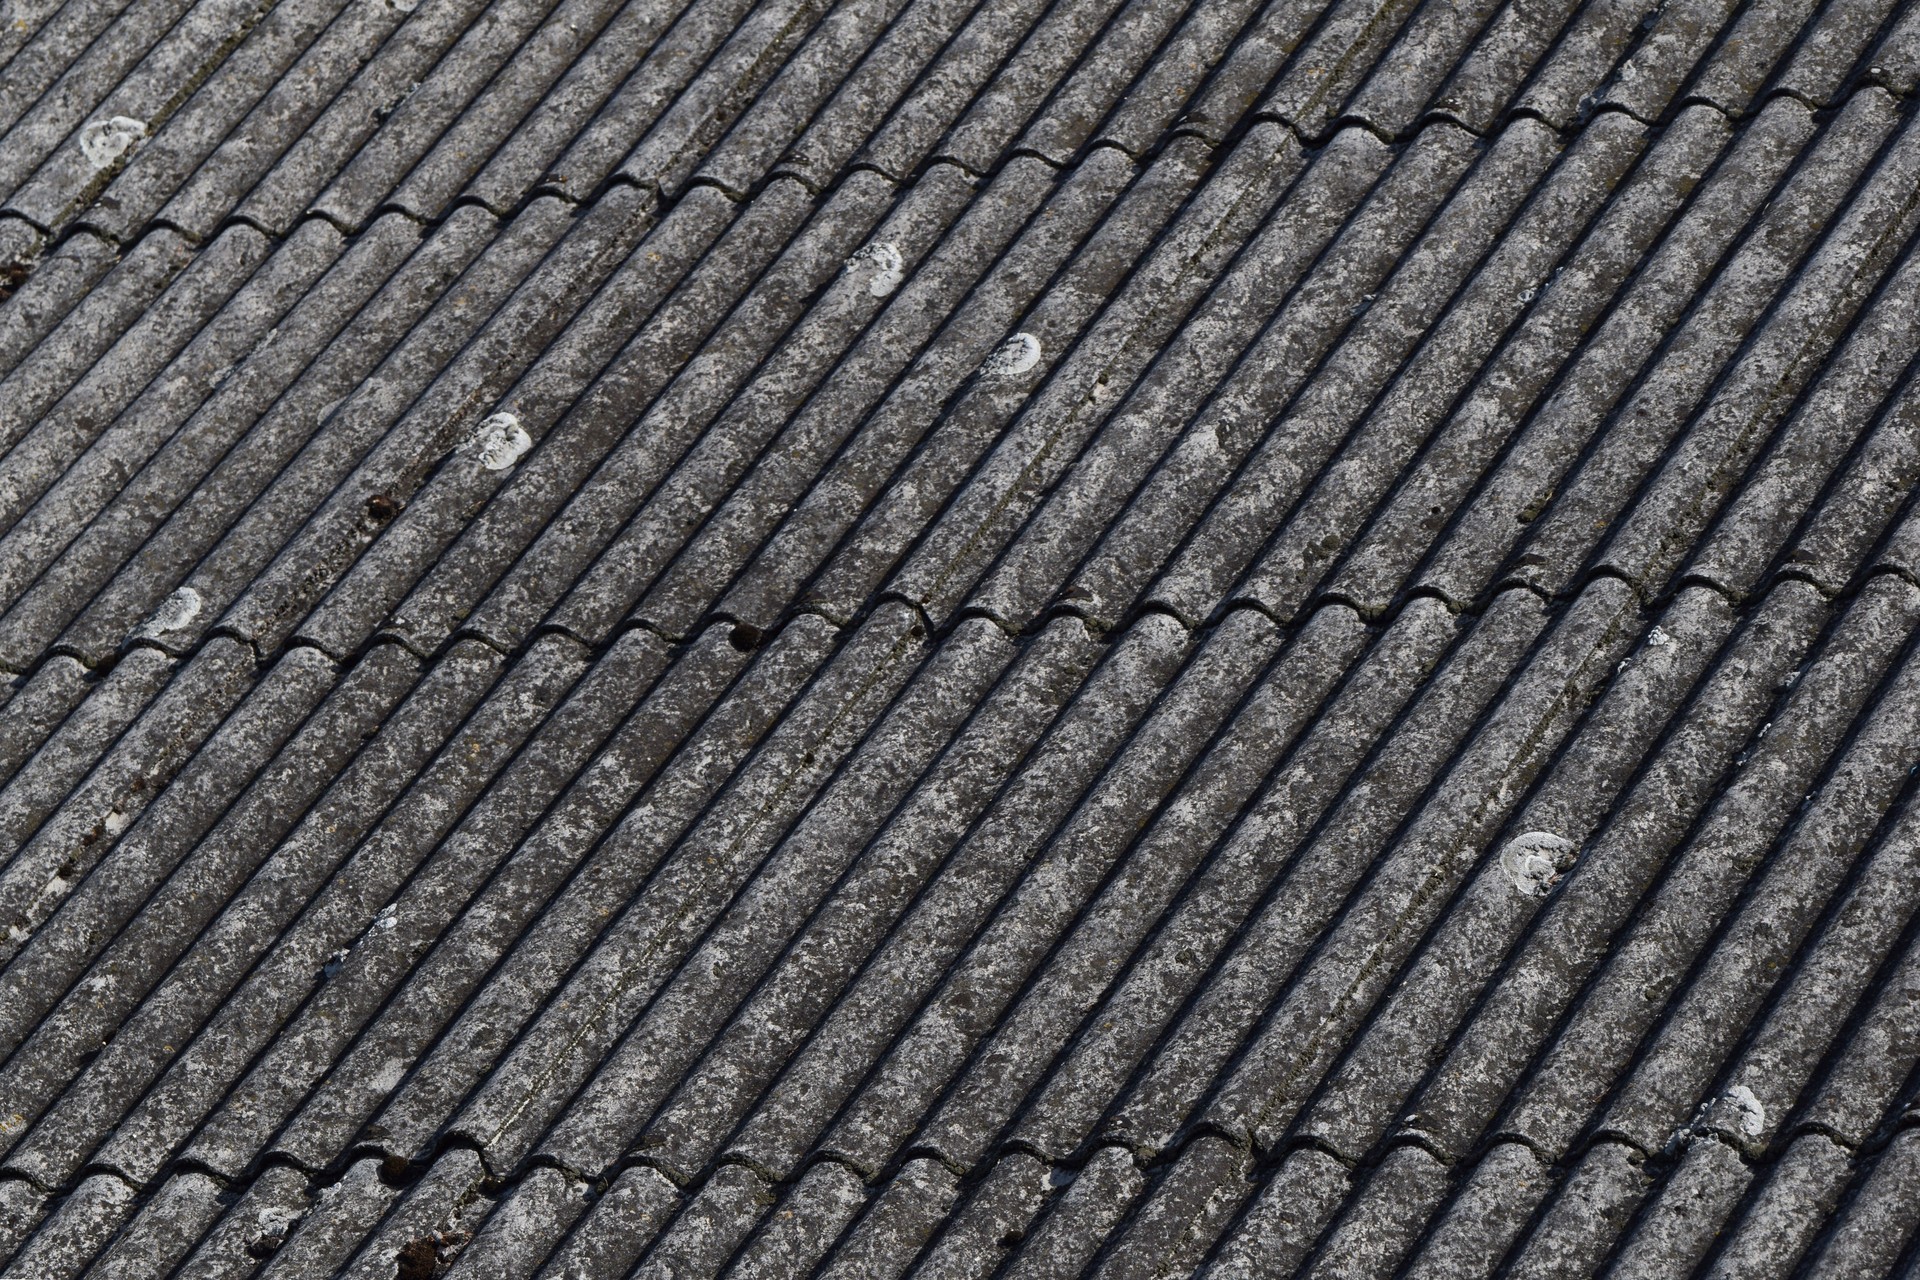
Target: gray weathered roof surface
<point x="959" y="637"/>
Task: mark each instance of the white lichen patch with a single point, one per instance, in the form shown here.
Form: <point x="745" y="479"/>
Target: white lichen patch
<point x="1535" y="862"/>
<point x="1749" y="1114"/>
<point x="1658" y="638"/>
<point x="500" y="441"/>
<point x="276" y="1218"/>
<point x="389" y="917"/>
<point x="1014" y="356"/>
<point x="104" y="141"/>
<point x="887" y="266"/>
<point x="175" y="612"/>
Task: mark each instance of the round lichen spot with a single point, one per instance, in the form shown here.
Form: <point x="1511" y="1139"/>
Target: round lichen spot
<point x="1748" y="1113"/>
<point x="1535" y="862"/>
<point x="104" y="141"/>
<point x="175" y="612"/>
<point x="884" y="262"/>
<point x="1014" y="356"/>
<point x="500" y="441"/>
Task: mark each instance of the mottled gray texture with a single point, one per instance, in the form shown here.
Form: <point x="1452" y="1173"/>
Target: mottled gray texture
<point x="937" y="638"/>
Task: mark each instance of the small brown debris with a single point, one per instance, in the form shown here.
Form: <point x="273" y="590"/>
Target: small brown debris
<point x="419" y="1260"/>
<point x="382" y="507"/>
<point x="12" y="276"/>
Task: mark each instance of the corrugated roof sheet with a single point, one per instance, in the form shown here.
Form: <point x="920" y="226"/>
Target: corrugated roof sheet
<point x="951" y="638"/>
